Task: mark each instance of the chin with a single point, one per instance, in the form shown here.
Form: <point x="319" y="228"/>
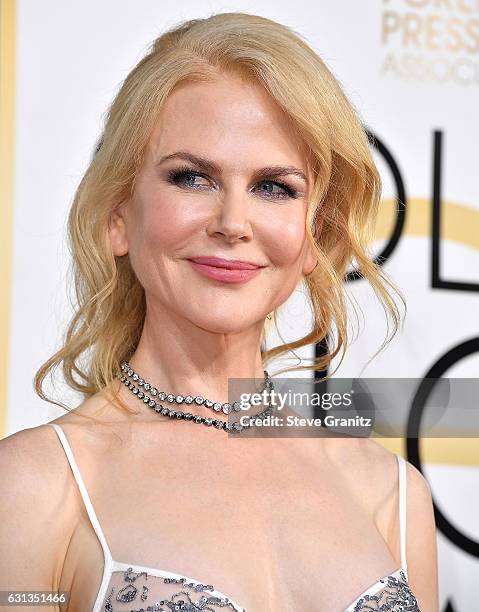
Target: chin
<point x="228" y="322"/>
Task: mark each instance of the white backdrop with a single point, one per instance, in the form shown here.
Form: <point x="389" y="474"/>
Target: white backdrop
<point x="409" y="67"/>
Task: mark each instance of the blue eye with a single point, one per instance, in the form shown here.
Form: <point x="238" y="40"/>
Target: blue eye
<point x="286" y="191"/>
<point x="184" y="177"/>
<point x="178" y="177"/>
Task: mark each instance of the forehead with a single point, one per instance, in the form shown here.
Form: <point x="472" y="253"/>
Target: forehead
<point x="230" y="118"/>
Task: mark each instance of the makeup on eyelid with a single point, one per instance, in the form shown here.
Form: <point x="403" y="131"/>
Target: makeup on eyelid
<point x="174" y="177"/>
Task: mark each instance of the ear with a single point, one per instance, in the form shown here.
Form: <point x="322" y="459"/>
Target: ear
<point x="310" y="259"/>
<point x="117" y="231"/>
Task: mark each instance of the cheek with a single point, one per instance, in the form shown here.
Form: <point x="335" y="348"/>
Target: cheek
<point x="159" y="230"/>
<point x="163" y="226"/>
<point x="285" y="235"/>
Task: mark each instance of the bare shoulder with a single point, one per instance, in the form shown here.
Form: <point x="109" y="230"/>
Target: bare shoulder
<point x="33" y="466"/>
<point x="372" y="472"/>
<point x="376" y="465"/>
<point x="27" y="453"/>
<point x="41" y="504"/>
<point x="32" y="460"/>
<point x="367" y="458"/>
<point x="382" y="465"/>
<point x="421" y="540"/>
<point x="35" y="521"/>
<point x="363" y="461"/>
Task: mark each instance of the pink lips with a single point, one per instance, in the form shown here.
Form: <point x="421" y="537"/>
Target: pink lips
<point x="225" y="270"/>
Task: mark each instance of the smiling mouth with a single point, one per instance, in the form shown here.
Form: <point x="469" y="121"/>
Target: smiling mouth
<point x="231" y="264"/>
<point x="223" y="270"/>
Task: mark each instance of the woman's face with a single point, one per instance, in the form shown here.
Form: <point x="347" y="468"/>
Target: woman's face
<point x="221" y="178"/>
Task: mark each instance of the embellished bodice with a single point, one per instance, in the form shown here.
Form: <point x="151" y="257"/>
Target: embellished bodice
<point x="140" y="589"/>
<point x="391" y="593"/>
<point x="126" y="587"/>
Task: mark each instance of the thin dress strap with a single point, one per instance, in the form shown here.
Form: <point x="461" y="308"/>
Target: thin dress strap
<point x="84" y="493"/>
<point x="402" y="509"/>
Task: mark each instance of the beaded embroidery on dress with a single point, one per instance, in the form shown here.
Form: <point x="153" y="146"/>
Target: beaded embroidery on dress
<point x="178" y="593"/>
<point x="132" y="588"/>
<point x="394" y="595"/>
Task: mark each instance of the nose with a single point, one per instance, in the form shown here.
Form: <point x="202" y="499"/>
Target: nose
<point x="231" y="217"/>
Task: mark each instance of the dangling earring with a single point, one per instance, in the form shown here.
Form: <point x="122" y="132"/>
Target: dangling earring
<point x="269" y="316"/>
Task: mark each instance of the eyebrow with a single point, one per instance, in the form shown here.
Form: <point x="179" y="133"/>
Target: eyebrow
<point x="209" y="166"/>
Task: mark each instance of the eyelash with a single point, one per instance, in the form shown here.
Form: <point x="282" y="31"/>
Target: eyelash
<point x="175" y="176"/>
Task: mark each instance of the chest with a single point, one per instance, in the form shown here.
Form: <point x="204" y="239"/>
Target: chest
<point x="287" y="541"/>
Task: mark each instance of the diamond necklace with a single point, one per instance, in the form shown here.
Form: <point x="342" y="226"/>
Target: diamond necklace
<point x="130" y="375"/>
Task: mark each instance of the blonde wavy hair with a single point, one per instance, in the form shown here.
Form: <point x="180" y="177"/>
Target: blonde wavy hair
<point x="110" y="302"/>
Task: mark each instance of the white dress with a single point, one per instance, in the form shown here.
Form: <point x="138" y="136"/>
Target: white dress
<point x="124" y="583"/>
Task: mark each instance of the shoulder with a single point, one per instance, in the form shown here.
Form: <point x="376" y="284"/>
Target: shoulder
<point x="370" y="457"/>
<point x="37" y="461"/>
<point x="27" y="452"/>
<point x="378" y="466"/>
<point x="36" y="513"/>
<point x="363" y="461"/>
<point x="373" y="472"/>
<point x="381" y="467"/>
<point x="421" y="540"/>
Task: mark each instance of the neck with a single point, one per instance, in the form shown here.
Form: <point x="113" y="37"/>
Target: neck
<point x="178" y="357"/>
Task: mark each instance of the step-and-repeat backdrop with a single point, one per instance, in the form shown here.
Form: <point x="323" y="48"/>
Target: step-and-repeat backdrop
<point x="410" y="67"/>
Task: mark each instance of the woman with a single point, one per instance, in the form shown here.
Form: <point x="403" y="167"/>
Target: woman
<point x="231" y="167"/>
